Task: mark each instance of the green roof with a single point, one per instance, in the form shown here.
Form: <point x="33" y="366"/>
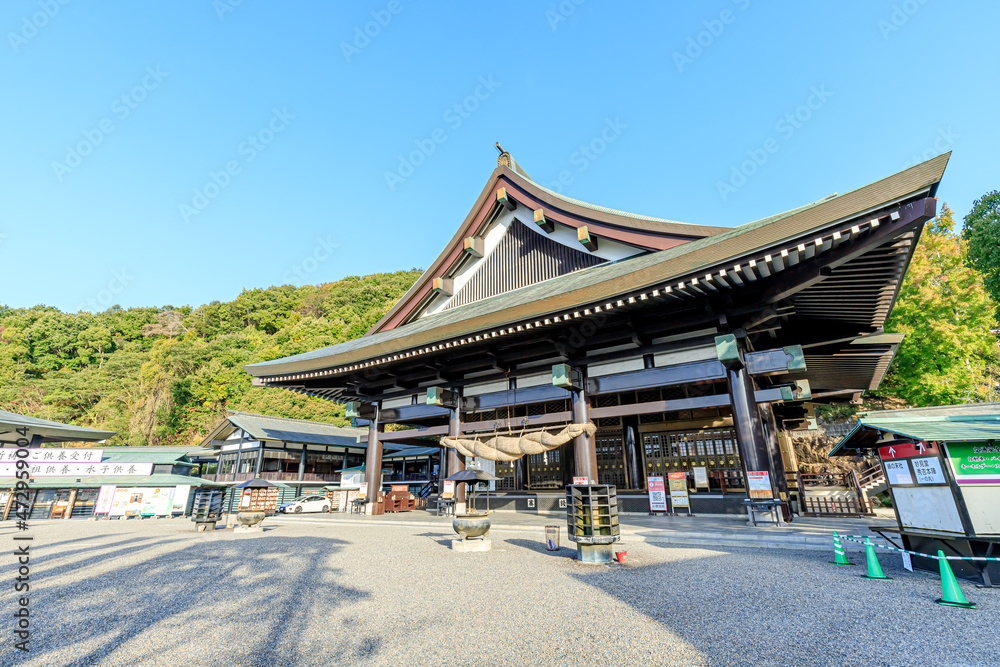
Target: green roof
<point x="587" y="286"/>
<point x="142" y="455"/>
<point x="975" y="422"/>
<point x="49" y="431"/>
<point x="298" y="431"/>
<point x="94" y="482"/>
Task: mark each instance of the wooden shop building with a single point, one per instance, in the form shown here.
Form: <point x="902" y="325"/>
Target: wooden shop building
<point x="689" y="347"/>
<point x="300" y="456"/>
<point x="66" y="482"/>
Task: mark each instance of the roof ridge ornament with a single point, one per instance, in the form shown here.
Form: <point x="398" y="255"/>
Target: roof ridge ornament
<point x="504" y="159"/>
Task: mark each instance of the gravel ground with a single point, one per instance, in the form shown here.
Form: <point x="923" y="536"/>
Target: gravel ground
<point x="156" y="593"/>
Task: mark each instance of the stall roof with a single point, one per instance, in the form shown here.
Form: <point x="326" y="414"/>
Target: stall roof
<point x="144" y="455"/>
<point x="49" y="431"/>
<point x="973" y="422"/>
<point x="412" y="451"/>
<point x="283" y="429"/>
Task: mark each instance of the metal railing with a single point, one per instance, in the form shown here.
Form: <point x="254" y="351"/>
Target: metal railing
<point x="825" y="506"/>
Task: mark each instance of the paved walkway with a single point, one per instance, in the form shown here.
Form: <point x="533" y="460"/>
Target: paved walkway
<point x="714" y="530"/>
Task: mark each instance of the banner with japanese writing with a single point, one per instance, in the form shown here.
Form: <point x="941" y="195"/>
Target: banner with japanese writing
<point x="53" y="455"/>
<point x="75" y="469"/>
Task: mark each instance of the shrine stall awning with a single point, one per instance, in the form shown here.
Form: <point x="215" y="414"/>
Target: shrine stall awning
<point x="975" y="422"/>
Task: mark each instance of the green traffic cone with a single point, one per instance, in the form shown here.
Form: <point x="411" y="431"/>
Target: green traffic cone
<point x="874" y="569"/>
<point x="951" y="594"/>
<point x="838" y="552"/>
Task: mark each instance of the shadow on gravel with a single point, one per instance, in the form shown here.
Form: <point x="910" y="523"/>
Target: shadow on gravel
<point x="539" y="546"/>
<point x="787" y="607"/>
<point x="264" y="590"/>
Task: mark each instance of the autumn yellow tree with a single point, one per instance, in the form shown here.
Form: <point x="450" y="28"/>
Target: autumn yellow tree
<point x="949" y="354"/>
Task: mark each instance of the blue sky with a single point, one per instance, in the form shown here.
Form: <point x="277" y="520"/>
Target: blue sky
<point x="176" y="153"/>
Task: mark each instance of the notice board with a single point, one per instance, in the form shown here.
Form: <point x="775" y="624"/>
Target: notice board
<point x="929" y="507"/>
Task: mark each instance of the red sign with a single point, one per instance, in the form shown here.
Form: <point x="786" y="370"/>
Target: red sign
<point x="581" y="480"/>
<point x="657" y="494"/>
<point x="907" y="449"/>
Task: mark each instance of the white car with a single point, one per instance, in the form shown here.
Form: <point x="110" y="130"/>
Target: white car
<point x="306" y="504"/>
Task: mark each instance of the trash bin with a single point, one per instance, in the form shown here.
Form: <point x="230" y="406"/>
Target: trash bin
<point x="552" y="538"/>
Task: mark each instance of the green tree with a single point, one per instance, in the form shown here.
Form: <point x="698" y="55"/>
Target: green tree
<point x="982" y="232"/>
<point x="167" y="375"/>
<point x="949" y="355"/>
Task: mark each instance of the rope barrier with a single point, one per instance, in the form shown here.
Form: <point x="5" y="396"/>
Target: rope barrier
<point x="855" y="538"/>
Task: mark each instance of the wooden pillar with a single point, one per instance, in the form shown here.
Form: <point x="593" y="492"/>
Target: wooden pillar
<point x="373" y="459"/>
<point x="748" y="425"/>
<point x="584" y="446"/>
<point x="442" y="469"/>
<point x="239" y="455"/>
<point x="520" y="472"/>
<point x="72" y="501"/>
<point x="260" y="460"/>
<point x="630" y="447"/>
<point x="778" y="476"/>
<point x="302" y="469"/>
<point x="456" y="462"/>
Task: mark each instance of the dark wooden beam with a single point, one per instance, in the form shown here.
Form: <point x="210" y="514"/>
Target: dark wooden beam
<point x="412" y="413"/>
<point x="543" y="223"/>
<point x="515" y="424"/>
<point x="500" y="399"/>
<point x="714" y="401"/>
<point x="413" y="433"/>
<point x="474" y="246"/>
<point x="504" y="199"/>
<point x="698" y="371"/>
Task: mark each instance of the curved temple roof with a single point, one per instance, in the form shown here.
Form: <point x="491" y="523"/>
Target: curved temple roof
<point x="687" y="262"/>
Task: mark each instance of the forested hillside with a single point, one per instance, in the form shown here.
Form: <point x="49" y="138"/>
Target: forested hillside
<point x="164" y="376"/>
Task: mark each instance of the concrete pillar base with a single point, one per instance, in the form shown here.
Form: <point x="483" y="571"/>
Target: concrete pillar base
<point x="469" y="546"/>
<point x="595" y="554"/>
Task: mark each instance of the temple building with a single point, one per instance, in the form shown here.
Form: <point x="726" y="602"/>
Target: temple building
<point x="692" y="349"/>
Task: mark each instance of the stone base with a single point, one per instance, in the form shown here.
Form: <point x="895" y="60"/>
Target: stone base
<point x="259" y="528"/>
<point x="467" y="546"/>
<point x="594" y="553"/>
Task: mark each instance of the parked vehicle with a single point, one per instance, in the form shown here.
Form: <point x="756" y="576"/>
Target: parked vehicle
<point x="312" y="503"/>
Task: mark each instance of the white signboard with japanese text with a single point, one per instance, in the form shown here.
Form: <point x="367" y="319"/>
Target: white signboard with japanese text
<point x="700" y="477"/>
<point x="898" y="472"/>
<point x="928" y="470"/>
<point x="759" y="485"/>
<point x="104" y="498"/>
<point x="181" y="494"/>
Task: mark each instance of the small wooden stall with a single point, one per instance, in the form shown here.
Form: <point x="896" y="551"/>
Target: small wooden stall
<point x="399" y="499"/>
<point x="941" y="467"/>
<point x="258" y="495"/>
